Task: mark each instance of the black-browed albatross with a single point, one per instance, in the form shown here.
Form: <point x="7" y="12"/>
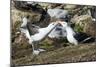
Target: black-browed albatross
<point x="35" y="35"/>
<point x="76" y="37"/>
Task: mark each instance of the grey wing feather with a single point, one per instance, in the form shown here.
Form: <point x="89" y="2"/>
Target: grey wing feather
<point x="35" y="26"/>
<point x="33" y="29"/>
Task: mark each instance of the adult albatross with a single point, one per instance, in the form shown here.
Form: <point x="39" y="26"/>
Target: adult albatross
<point x="35" y="34"/>
<point x="76" y="37"/>
<point x="70" y="33"/>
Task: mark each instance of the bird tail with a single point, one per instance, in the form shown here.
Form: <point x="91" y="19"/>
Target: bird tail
<point x="88" y="40"/>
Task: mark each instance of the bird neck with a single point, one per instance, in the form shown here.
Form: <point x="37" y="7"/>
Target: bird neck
<point x="50" y="28"/>
<point x="24" y="24"/>
<point x="70" y="31"/>
<point x="66" y="26"/>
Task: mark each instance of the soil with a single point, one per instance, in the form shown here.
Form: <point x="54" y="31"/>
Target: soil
<point x="68" y="54"/>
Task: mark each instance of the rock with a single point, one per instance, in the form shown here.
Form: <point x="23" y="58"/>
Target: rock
<point x="90" y="29"/>
<point x="21" y="40"/>
<point x="85" y="22"/>
<point x="44" y="5"/>
<point x="23" y="5"/>
<point x="70" y="7"/>
<point x="59" y="6"/>
<point x="17" y="16"/>
<point x="81" y="19"/>
<point x="92" y="11"/>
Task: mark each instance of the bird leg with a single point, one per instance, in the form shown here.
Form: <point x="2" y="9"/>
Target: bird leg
<point x="36" y="49"/>
<point x="33" y="47"/>
<point x="36" y="46"/>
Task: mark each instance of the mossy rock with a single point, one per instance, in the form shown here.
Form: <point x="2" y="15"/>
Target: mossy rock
<point x="78" y="28"/>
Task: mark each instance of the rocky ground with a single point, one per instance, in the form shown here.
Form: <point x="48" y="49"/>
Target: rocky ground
<point x="21" y="50"/>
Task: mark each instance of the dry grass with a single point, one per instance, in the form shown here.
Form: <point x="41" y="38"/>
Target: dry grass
<point x="69" y="54"/>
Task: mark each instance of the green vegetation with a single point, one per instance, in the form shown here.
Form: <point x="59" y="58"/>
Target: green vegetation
<point x="78" y="28"/>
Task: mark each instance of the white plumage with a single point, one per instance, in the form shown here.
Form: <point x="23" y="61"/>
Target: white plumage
<point x="58" y="32"/>
<point x="24" y="29"/>
<point x="57" y="13"/>
<point x="36" y="38"/>
<point x="70" y="33"/>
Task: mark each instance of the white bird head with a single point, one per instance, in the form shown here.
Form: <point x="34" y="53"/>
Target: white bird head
<point x="25" y="20"/>
<point x="64" y="24"/>
<point x="53" y="24"/>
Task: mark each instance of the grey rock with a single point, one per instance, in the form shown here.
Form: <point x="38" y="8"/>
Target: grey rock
<point x="86" y="23"/>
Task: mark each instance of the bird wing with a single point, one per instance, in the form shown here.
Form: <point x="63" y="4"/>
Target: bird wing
<point x="35" y="26"/>
<point x="33" y="29"/>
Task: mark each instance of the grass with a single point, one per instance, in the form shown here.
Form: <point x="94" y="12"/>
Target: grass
<point x="78" y="28"/>
<point x="69" y="54"/>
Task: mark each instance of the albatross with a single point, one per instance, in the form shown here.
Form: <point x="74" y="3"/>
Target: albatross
<point x="76" y="37"/>
<point x="35" y="35"/>
<point x="70" y="33"/>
